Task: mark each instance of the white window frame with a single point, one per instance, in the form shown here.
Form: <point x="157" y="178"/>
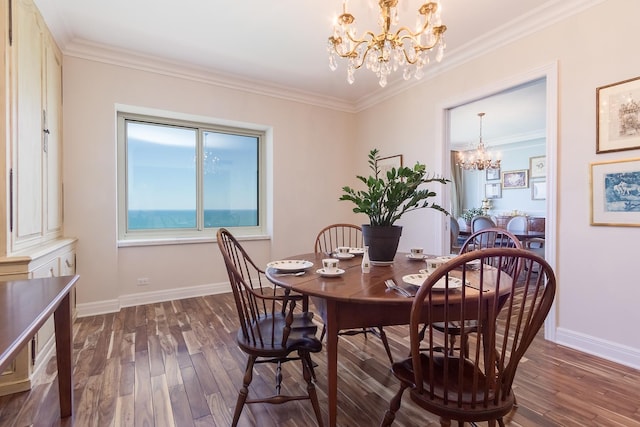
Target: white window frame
<point x="199" y="233"/>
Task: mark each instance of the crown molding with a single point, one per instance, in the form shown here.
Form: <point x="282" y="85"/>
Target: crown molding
<point x="547" y="14"/>
<point x="106" y="54"/>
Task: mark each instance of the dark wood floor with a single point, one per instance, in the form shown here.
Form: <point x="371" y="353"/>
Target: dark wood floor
<point x="176" y="364"/>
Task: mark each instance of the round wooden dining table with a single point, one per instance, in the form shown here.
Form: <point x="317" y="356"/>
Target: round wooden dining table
<point x="354" y="300"/>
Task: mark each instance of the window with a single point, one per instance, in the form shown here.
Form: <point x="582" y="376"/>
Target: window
<point x="182" y="180"/>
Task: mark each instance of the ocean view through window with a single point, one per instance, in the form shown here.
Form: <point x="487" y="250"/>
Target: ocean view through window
<point x="180" y="179"/>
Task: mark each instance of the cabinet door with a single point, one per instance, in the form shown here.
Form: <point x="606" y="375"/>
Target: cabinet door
<point x="27" y="143"/>
<point x="52" y="147"/>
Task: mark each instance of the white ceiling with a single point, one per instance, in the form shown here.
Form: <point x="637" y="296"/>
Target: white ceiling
<point x="282" y="43"/>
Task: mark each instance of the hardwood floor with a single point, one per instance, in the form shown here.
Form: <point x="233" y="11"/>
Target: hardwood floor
<point x="177" y="364"/>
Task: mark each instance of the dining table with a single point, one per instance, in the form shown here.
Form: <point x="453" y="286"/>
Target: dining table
<point x="353" y="299"/>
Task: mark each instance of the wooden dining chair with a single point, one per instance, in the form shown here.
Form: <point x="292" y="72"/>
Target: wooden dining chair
<point x="327" y="240"/>
<point x="335" y="235"/>
<point x="270" y="327"/>
<point x="483" y="239"/>
<point x="508" y="313"/>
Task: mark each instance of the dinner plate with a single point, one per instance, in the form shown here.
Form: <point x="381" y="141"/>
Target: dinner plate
<point x="290" y="265"/>
<point x="418" y="280"/>
<point x="322" y="272"/>
<point x="344" y="256"/>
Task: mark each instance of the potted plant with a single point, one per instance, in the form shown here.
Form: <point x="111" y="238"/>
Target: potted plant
<point x="386" y="198"/>
<point x="469" y="214"/>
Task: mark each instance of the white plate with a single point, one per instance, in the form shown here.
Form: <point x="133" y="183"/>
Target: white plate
<point x="418" y="280"/>
<point x="344" y="256"/>
<point x="475" y="264"/>
<point x="338" y="272"/>
<point x="356" y="251"/>
<point x="413" y="257"/>
<point x="290" y="265"/>
<point x="382" y="263"/>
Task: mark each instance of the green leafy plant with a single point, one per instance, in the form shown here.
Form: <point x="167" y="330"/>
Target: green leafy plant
<point x="469" y="214"/>
<point x="392" y="194"/>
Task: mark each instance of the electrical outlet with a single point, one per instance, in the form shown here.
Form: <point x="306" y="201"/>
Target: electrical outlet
<point x="143" y="281"/>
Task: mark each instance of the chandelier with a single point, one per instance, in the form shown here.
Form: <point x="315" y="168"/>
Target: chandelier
<point x="478" y="159"/>
<point x="388" y="51"/>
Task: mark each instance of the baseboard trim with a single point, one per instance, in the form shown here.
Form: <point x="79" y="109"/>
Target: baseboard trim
<point x="608" y="350"/>
<point x="141" y="298"/>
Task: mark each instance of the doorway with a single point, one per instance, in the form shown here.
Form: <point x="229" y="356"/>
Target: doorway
<point x="546" y="76"/>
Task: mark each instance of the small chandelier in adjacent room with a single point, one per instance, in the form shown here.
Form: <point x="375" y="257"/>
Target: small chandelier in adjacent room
<point x="478" y="159"/>
<point x="388" y="51"/>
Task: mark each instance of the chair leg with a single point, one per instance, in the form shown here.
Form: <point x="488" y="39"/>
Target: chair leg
<point x="385" y="342"/>
<point x="394" y="406"/>
<point x="324" y="331"/>
<point x="307" y="370"/>
<point x="244" y="391"/>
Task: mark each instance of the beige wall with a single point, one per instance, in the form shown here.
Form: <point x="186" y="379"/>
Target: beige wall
<point x="310" y="150"/>
<point x="315" y="151"/>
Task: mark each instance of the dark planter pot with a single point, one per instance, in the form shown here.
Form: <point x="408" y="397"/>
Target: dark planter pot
<point x="382" y="241"/>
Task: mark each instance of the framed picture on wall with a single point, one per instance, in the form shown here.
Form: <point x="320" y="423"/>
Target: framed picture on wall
<point x="386" y="163"/>
<point x="615" y="193"/>
<point x="492" y="191"/>
<point x="618" y="116"/>
<point x="538" y="167"/>
<point x="493" y="174"/>
<point x="538" y="190"/>
<point x="515" y="179"/>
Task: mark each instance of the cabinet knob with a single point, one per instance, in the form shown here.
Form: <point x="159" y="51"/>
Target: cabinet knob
<point x="51" y="272"/>
<point x="66" y="261"/>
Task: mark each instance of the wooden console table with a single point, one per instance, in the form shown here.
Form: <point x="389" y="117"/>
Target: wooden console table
<point x="24" y="307"/>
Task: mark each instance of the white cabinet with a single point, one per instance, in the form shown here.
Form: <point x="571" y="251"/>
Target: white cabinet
<point x="31" y="220"/>
<point x="35" y="117"/>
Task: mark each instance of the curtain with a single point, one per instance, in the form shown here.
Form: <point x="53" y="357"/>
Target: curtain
<point x="456" y="187"/>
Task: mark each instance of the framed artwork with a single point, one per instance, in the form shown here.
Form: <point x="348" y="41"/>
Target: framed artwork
<point x="538" y="190"/>
<point x="386" y="163"/>
<point x="615" y="193"/>
<point x="538" y="167"/>
<point x="515" y="179"/>
<point x="492" y="191"/>
<point x="618" y="116"/>
<point x="493" y="174"/>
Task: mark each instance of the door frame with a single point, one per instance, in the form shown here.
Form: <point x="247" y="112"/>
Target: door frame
<point x="550" y="73"/>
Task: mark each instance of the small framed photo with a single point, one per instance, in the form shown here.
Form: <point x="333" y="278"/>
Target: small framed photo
<point x="615" y="193"/>
<point x="538" y="190"/>
<point x="538" y="167"/>
<point x="515" y="179"/>
<point x="618" y="116"/>
<point x="493" y="174"/>
<point x="387" y="163"/>
<point x="492" y="191"/>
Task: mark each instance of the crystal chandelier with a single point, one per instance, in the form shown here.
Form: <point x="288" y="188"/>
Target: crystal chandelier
<point x="388" y="51"/>
<point x="478" y="159"/>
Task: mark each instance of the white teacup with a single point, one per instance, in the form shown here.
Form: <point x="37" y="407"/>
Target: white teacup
<point x="434" y="263"/>
<point x="343" y="250"/>
<point x="330" y="265"/>
<point x="417" y="252"/>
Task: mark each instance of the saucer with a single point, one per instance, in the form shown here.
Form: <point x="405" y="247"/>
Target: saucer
<point x="416" y="258"/>
<point x="344" y="256"/>
<point x="382" y="263"/>
<point x="324" y="273"/>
